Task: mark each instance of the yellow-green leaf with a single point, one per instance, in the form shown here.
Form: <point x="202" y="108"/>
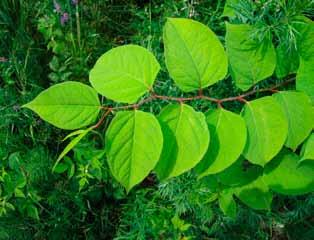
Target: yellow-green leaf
<point x="250" y="61"/>
<point x="124" y="73"/>
<point x="80" y="134"/>
<point x="133" y="146"/>
<point x="195" y="58"/>
<point x="186" y="139"/>
<point x="267" y="129"/>
<point x="228" y="138"/>
<point x="68" y="105"/>
<point x="307" y="151"/>
<point x="298" y="110"/>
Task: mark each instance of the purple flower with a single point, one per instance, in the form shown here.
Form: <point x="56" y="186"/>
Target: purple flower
<point x="57" y="6"/>
<point x="75" y="2"/>
<point x="64" y="18"/>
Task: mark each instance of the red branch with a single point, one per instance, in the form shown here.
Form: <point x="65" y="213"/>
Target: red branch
<point x="102" y="119"/>
<point x="153" y="96"/>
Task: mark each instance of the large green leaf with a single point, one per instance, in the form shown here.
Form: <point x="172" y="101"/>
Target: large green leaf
<point x="250" y="61"/>
<point x="195" y="58"/>
<point x="133" y="145"/>
<point x="284" y="175"/>
<point x="298" y="110"/>
<point x="228" y="138"/>
<point x="124" y="73"/>
<point x="255" y="194"/>
<point x="68" y="105"/>
<point x="239" y="173"/>
<point x="267" y="129"/>
<point x="287" y="60"/>
<point x="305" y="80"/>
<point x="307" y="151"/>
<point x="305" y="37"/>
<point x="186" y="139"/>
<point x="305" y="44"/>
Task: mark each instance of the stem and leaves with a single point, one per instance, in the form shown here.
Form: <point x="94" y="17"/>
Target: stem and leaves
<point x="217" y="144"/>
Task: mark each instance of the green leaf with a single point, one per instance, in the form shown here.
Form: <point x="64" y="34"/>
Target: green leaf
<point x="19" y="193"/>
<point x="298" y="110"/>
<point x="195" y="58"/>
<point x="180" y="224"/>
<point x="267" y="129"/>
<point x="133" y="145"/>
<point x="227" y="204"/>
<point x="250" y="61"/>
<point x="75" y="133"/>
<point x="229" y="8"/>
<point x="61" y="168"/>
<point x="228" y="138"/>
<point x="287" y="60"/>
<point x="71" y="145"/>
<point x="124" y="73"/>
<point x="186" y="139"/>
<point x="15" y="161"/>
<point x="307" y="151"/>
<point x="305" y="43"/>
<point x="255" y="194"/>
<point x="68" y="105"/>
<point x="305" y="80"/>
<point x="32" y="211"/>
<point x="284" y="175"/>
<point x="305" y="37"/>
<point x="240" y="173"/>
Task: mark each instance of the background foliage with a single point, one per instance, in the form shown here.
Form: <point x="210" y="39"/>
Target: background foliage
<point x="48" y="42"/>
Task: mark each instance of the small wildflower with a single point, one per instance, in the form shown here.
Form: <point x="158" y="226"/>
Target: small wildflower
<point x="57" y="7"/>
<point x="64" y="18"/>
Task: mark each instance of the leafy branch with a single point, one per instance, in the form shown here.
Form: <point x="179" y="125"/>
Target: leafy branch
<point x="267" y="131"/>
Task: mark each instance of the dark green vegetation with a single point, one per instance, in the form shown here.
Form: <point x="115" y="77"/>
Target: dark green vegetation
<point x="83" y="201"/>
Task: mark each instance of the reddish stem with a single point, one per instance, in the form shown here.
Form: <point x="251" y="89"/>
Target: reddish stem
<point x="102" y="119"/>
<point x="153" y="96"/>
